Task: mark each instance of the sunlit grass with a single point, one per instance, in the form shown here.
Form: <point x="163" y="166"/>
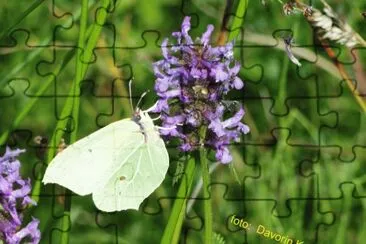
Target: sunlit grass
<point x="280" y="178"/>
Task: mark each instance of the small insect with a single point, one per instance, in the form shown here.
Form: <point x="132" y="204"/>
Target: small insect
<point x="120" y="164"/>
<point x="364" y="14"/>
<point x="288" y="43"/>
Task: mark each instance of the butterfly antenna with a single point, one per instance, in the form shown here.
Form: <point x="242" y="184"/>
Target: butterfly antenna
<point x="130" y="91"/>
<point x="142" y="96"/>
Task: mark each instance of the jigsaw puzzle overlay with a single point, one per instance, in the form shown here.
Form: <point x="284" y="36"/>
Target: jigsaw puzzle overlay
<point x="297" y="177"/>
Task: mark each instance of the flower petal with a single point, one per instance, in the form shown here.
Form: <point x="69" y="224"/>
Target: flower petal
<point x="206" y="36"/>
<point x="186" y="26"/>
<point x="223" y="155"/>
<point x="238" y="83"/>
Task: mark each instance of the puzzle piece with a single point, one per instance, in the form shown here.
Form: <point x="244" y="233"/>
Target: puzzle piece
<point x="298" y="174"/>
<point x="274" y="181"/>
<point x="343" y="172"/>
<point x="344" y="216"/>
<point x="29" y="27"/>
<point x="349" y="119"/>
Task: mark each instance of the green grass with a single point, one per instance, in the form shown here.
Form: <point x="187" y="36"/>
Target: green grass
<point x="287" y="179"/>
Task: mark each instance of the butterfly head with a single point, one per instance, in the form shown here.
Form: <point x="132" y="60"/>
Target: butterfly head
<point x="141" y="117"/>
<point x="136" y="117"/>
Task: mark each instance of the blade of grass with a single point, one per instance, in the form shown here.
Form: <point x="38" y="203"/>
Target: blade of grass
<point x="20" y="66"/>
<point x="281" y="98"/>
<point x="301" y="119"/>
<point x="29" y="10"/>
<point x="238" y="19"/>
<point x="56" y="137"/>
<point x="69" y="104"/>
<point x="197" y="189"/>
<point x="342" y="71"/>
<point x="69" y="55"/>
<point x="75" y="113"/>
<point x="78" y="69"/>
<point x="94" y="36"/>
<point x="173" y="228"/>
<point x="23" y="113"/>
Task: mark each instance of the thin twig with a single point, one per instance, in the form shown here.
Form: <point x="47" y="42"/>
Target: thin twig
<point x="344" y="75"/>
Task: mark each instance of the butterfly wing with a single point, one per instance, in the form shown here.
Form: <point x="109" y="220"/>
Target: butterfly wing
<point x="139" y="174"/>
<point x="85" y="165"/>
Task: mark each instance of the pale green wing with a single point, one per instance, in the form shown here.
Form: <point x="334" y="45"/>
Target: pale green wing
<point x="139" y="174"/>
<point x="87" y="164"/>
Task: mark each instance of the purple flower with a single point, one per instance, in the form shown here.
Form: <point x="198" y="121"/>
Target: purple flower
<point x="13" y="198"/>
<point x="191" y="81"/>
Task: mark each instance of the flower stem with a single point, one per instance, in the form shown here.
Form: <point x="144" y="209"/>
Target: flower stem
<point x="238" y="21"/>
<point x="175" y="222"/>
<point x="75" y="113"/>
<point x="66" y="222"/>
<point x="206" y="194"/>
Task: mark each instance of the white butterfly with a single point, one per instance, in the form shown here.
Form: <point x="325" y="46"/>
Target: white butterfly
<point x="120" y="164"/>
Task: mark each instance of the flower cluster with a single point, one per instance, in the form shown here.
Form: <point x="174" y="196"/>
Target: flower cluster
<point x="14" y="197"/>
<point x="191" y="81"/>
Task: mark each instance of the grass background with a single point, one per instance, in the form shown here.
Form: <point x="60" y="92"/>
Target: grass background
<point x="300" y="172"/>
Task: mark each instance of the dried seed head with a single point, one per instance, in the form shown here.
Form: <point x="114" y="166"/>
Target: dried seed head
<point x="308" y="11"/>
<point x="289" y="8"/>
<point x="328" y="26"/>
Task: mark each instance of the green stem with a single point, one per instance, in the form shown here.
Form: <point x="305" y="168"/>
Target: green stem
<point x="173" y="228"/>
<point x="66" y="222"/>
<point x="75" y="113"/>
<point x="37" y="183"/>
<point x="70" y="102"/>
<point x="101" y="17"/>
<point x="78" y="70"/>
<point x="206" y="195"/>
<point x="238" y="21"/>
<point x="207" y="205"/>
<point x="67" y="109"/>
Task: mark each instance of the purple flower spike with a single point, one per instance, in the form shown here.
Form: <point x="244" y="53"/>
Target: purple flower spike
<point x="191" y="80"/>
<point x="13" y="197"/>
